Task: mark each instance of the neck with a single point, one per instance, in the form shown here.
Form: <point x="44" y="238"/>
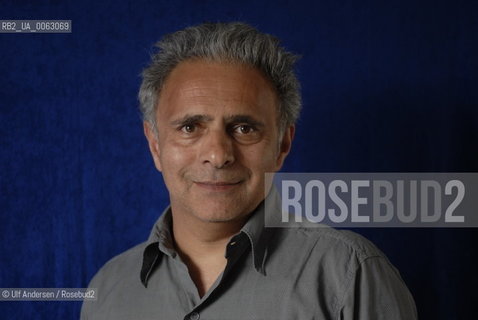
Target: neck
<point x="202" y="245"/>
<point x="194" y="237"/>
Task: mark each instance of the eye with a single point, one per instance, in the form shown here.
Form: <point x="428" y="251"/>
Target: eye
<point x="244" y="129"/>
<point x="188" y="128"/>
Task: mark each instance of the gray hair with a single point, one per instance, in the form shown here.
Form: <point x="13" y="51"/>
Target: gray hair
<point x="224" y="42"/>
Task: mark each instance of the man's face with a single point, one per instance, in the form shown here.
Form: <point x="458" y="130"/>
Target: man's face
<point x="217" y="136"/>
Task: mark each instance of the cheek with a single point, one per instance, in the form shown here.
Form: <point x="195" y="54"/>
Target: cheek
<point x="175" y="159"/>
<point x="260" y="159"/>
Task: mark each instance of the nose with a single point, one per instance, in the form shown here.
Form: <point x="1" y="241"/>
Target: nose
<point x="217" y="149"/>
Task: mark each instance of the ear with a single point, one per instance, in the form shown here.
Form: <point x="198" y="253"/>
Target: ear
<point x="153" y="143"/>
<point x="285" y="145"/>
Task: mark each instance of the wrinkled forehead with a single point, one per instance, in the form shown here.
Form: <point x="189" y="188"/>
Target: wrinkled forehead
<point x="206" y="87"/>
<point x="208" y="69"/>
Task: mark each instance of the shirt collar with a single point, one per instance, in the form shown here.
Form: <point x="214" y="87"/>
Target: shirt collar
<point x="160" y="240"/>
<point x="256" y="232"/>
<point x="161" y="233"/>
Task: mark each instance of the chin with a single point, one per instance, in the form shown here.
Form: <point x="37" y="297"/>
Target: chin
<point x="220" y="214"/>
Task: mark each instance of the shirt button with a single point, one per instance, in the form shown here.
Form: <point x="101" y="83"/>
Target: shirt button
<point x="194" y="316"/>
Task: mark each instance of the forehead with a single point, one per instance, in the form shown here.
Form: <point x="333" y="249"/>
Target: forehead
<point x="211" y="87"/>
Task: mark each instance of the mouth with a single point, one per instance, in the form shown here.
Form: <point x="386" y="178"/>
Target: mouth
<point x="218" y="185"/>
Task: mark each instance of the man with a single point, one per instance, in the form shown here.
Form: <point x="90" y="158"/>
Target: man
<point x="220" y="102"/>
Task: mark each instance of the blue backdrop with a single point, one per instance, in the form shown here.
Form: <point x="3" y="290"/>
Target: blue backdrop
<point x="388" y="86"/>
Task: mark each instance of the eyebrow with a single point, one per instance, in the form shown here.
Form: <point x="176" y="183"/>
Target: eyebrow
<point x="241" y="118"/>
<point x="191" y="118"/>
<point x="195" y="118"/>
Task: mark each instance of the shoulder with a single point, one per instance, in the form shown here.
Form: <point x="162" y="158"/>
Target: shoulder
<point x="324" y="251"/>
<point x="345" y="240"/>
<point x="122" y="271"/>
<point x="332" y="243"/>
<point x="321" y="251"/>
<point x="362" y="276"/>
<point x="126" y="263"/>
<point x="354" y="273"/>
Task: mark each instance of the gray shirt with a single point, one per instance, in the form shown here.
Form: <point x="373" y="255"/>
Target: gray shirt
<point x="271" y="273"/>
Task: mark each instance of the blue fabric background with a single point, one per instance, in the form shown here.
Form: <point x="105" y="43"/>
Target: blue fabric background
<point x="387" y="86"/>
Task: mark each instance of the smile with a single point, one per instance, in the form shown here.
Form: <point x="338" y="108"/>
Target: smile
<point x="217" y="185"/>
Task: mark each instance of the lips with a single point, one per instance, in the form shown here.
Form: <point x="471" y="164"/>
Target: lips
<point x="218" y="185"/>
